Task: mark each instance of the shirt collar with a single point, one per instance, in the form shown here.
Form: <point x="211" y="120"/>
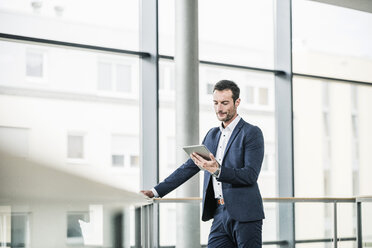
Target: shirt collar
<point x="232" y="125"/>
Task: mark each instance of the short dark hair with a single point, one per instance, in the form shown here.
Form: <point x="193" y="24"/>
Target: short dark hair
<point x="228" y="85"/>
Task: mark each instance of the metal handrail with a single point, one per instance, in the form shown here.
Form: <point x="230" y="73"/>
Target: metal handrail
<point x="335" y="200"/>
<point x="276" y="199"/>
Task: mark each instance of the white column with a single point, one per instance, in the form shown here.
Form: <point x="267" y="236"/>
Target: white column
<point x="187" y="115"/>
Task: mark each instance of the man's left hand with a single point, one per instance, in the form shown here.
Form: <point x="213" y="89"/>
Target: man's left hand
<point x="209" y="165"/>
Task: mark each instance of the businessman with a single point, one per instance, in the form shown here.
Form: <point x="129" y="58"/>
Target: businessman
<point x="230" y="195"/>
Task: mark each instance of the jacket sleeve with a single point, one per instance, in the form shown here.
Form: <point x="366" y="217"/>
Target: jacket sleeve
<point x="178" y="177"/>
<point x="253" y="149"/>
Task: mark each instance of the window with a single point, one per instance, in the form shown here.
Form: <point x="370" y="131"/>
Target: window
<point x="114" y="77"/>
<point x="134" y="161"/>
<point x="118" y="150"/>
<point x="20" y="229"/>
<point x="14" y="141"/>
<point x="35" y="64"/>
<point x="212" y="76"/>
<point x="249" y="95"/>
<point x="104" y="76"/>
<point x="263" y="96"/>
<point x="74" y="232"/>
<point x="85" y="227"/>
<point x="123" y="151"/>
<point x="74" y="21"/>
<point x="117" y="160"/>
<point x="210" y="87"/>
<point x="337" y="43"/>
<point x="75" y="146"/>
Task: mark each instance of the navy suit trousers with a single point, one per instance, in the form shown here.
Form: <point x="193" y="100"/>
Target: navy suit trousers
<point x="229" y="233"/>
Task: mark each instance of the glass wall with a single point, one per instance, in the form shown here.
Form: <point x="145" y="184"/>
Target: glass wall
<point x="73" y="110"/>
<point x="331" y="118"/>
<point x="78" y="110"/>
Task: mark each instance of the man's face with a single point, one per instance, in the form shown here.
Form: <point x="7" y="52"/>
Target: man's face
<point x="224" y="105"/>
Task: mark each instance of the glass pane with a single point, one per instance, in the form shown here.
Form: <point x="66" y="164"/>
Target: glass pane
<point x="367" y="224"/>
<point x="118" y="160"/>
<point x="34" y="64"/>
<point x="318" y="224"/>
<point x="260" y="115"/>
<point x="108" y="23"/>
<point x="332" y="138"/>
<point x="69" y="116"/>
<point x="104" y="76"/>
<point x="75" y="146"/>
<point x="337" y="43"/>
<point x="237" y="32"/>
<point x="65" y="127"/>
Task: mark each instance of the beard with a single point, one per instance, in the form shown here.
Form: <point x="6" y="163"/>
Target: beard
<point x="228" y="116"/>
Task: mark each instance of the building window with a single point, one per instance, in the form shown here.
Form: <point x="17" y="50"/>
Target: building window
<point x="124" y="152"/>
<point x="14" y="141"/>
<point x="35" y="64"/>
<point x="212" y="76"/>
<point x="114" y="77"/>
<point x="263" y="96"/>
<point x="74" y="232"/>
<point x="75" y="146"/>
<point x="134" y="161"/>
<point x="249" y="94"/>
<point x="104" y="76"/>
<point x="118" y="145"/>
<point x="117" y="160"/>
<point x="210" y="87"/>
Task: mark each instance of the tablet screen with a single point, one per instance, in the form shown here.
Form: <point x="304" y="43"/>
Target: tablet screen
<point x="202" y="150"/>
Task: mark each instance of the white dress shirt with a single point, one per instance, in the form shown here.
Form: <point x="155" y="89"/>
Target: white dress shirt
<point x="224" y="139"/>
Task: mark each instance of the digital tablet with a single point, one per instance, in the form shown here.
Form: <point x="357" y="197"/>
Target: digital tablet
<point x="202" y="150"/>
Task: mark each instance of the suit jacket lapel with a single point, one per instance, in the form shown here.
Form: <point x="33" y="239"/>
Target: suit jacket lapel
<point x="232" y="137"/>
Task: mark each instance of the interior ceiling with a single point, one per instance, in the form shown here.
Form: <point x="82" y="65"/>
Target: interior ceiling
<point x="362" y="5"/>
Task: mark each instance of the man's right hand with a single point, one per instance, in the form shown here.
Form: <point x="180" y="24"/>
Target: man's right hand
<point x="147" y="193"/>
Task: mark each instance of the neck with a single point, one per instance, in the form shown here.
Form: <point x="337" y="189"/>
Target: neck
<point x="225" y="124"/>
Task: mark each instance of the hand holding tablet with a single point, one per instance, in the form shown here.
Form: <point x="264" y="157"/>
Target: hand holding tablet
<point x="202" y="150"/>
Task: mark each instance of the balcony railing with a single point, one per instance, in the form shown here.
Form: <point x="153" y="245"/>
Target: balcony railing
<point x="148" y="226"/>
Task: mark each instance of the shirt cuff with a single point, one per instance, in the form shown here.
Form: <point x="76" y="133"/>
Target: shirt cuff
<point x="154" y="192"/>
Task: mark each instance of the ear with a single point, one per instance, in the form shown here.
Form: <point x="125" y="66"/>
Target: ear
<point x="237" y="102"/>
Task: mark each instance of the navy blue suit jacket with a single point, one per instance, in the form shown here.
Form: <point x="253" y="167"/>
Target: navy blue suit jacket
<point x="239" y="173"/>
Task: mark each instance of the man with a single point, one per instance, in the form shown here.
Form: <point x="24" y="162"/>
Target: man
<point x="231" y="195"/>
